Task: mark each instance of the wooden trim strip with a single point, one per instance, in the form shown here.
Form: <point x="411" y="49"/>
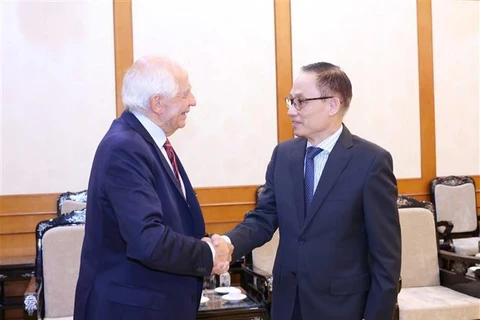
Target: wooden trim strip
<point x="23" y="203"/>
<point x="426" y="85"/>
<point x="225" y="204"/>
<point x="123" y="37"/>
<point x="283" y="62"/>
<point x="23" y="214"/>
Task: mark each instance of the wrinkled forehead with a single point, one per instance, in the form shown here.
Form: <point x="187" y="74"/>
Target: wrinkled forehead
<point x="183" y="81"/>
<point x="304" y="84"/>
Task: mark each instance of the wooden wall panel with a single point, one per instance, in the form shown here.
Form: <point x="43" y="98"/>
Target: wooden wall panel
<point x="220" y="228"/>
<point x="46" y="202"/>
<point x="223" y="208"/>
<point x="22" y="223"/>
<point x="15" y="245"/>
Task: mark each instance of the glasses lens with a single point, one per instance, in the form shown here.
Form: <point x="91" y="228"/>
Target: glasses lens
<point x="288" y="101"/>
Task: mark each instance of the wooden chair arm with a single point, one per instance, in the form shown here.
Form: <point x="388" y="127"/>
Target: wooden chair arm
<point x="457" y="257"/>
<point x="258" y="283"/>
<point x="30" y="299"/>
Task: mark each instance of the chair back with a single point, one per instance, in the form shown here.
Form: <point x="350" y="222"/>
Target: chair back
<point x="264" y="257"/>
<point x="455" y="200"/>
<point x="59" y="244"/>
<point x="419" y="248"/>
<point x="70" y="201"/>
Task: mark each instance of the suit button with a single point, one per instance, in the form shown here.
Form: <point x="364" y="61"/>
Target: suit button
<point x="293" y="273"/>
<point x="301" y="240"/>
<point x="200" y="269"/>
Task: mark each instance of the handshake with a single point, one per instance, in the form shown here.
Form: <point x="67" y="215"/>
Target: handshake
<point x="223" y="253"/>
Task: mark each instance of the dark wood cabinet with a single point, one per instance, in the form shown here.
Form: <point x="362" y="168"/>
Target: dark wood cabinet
<point x="14" y="270"/>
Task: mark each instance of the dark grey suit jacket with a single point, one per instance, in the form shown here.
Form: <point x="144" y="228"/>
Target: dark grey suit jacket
<point x="344" y="255"/>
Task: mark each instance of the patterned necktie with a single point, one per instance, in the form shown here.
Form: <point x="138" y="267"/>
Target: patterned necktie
<point x="171" y="156"/>
<point x="310" y="174"/>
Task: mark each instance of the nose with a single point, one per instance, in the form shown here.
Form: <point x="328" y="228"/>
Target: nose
<point x="193" y="101"/>
<point x="292" y="112"/>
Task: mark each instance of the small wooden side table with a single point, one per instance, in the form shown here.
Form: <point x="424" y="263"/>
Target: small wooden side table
<point x="218" y="309"/>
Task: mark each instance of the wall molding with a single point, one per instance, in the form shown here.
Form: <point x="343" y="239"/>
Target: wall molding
<point x="123" y="36"/>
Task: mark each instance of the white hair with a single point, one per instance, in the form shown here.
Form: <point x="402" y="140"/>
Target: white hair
<point x="148" y="76"/>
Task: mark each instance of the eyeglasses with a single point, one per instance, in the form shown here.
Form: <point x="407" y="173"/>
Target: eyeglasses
<point x="298" y="103"/>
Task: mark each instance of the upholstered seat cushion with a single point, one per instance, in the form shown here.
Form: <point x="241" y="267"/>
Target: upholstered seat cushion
<point x="466" y="246"/>
<point x="436" y="302"/>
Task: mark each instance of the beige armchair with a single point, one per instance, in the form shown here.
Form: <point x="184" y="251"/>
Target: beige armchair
<point x="454" y="199"/>
<point x="50" y="294"/>
<point x="424" y="293"/>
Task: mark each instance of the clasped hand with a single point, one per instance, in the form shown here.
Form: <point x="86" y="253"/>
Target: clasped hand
<point x="223" y="253"/>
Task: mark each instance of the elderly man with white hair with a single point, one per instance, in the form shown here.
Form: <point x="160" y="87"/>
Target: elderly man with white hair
<point x="144" y="255"/>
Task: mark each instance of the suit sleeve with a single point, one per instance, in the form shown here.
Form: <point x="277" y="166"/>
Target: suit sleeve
<point x="131" y="189"/>
<point x="259" y="224"/>
<point x="383" y="230"/>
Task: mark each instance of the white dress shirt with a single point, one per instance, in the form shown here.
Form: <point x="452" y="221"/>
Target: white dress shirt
<point x="321" y="159"/>
<point x="159" y="137"/>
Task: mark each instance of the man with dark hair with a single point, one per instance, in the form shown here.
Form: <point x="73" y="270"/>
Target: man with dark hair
<point x="333" y="197"/>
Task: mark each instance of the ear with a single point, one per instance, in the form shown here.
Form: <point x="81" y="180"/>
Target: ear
<point x="334" y="106"/>
<point x="156" y="104"/>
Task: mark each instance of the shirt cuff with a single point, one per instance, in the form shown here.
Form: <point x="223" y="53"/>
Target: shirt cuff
<point x="227" y="239"/>
<point x="213" y="250"/>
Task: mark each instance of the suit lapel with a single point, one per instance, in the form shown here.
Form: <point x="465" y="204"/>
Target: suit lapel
<point x="336" y="163"/>
<point x="296" y="166"/>
<point x="138" y="127"/>
<point x="192" y="202"/>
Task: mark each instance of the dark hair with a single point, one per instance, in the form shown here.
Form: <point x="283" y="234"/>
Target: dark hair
<point x="331" y="80"/>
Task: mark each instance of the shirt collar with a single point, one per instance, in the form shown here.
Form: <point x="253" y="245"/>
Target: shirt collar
<point x="328" y="144"/>
<point x="155" y="131"/>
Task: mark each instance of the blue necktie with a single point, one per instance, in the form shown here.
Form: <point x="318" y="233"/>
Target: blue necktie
<point x="310" y="174"/>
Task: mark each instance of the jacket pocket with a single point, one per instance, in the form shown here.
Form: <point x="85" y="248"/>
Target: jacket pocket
<point x="135" y="296"/>
<point x="350" y="285"/>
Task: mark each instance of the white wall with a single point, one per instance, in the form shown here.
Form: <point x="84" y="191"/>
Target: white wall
<point x="375" y="43"/>
<point x="58" y="86"/>
<point x="228" y="47"/>
<point x="58" y="92"/>
<point x="456" y="57"/>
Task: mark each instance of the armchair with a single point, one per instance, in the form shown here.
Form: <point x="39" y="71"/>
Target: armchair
<point x="71" y="201"/>
<point x="50" y="294"/>
<point x="257" y="278"/>
<point x="454" y="199"/>
<point x="429" y="291"/>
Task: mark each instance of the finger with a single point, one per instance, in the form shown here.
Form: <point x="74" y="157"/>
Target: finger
<point x="216" y="239"/>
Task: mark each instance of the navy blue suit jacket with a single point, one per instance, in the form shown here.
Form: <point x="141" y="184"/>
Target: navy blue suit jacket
<point x="141" y="257"/>
<point x="344" y="254"/>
